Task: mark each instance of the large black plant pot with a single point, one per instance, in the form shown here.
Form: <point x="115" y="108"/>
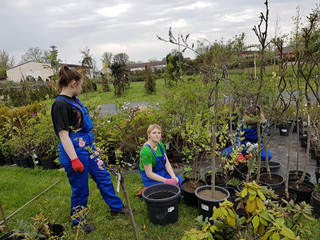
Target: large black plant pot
<point x="238" y="171"/>
<point x="47" y="162"/>
<point x="294" y="176"/>
<point x="190" y="198"/>
<point x="27" y="162"/>
<point x="162" y="203"/>
<point x="273" y="166"/>
<point x="205" y="206"/>
<point x="273" y="176"/>
<point x="219" y="179"/>
<point x="316" y="202"/>
<point x="302" y="193"/>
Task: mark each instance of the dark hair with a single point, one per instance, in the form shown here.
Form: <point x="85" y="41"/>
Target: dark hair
<point x="254" y="111"/>
<point x="66" y="75"/>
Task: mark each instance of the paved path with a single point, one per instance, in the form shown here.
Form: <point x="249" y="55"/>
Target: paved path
<point x="111" y="108"/>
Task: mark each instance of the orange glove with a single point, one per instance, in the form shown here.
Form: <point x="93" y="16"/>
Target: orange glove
<point x="77" y="165"/>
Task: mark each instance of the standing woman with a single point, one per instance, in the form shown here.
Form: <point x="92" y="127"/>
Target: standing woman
<point x="72" y="124"/>
<point x="155" y="167"/>
<point x="248" y="126"/>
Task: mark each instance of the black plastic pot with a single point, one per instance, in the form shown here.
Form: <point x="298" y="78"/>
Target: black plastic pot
<point x="177" y="158"/>
<point x="316" y="204"/>
<point x="16" y="161"/>
<point x="162" y="203"/>
<point x="219" y="180"/>
<point x="8" y="160"/>
<point x="317" y="173"/>
<point x="302" y="195"/>
<point x="47" y="162"/>
<point x="6" y="237"/>
<point x="303" y="142"/>
<point x="314" y="154"/>
<point x="27" y="162"/>
<point x="274" y="166"/>
<point x="274" y="185"/>
<point x="292" y="174"/>
<point x="238" y="171"/>
<point x="205" y="206"/>
<point x="292" y="194"/>
<point x="284" y="131"/>
<point x="2" y="162"/>
<point x="58" y="230"/>
<point x="189" y="198"/>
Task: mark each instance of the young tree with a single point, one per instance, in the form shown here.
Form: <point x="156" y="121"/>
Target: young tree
<point x="35" y="54"/>
<point x="107" y="58"/>
<point x="120" y="73"/>
<point x="150" y="82"/>
<point x="5" y="62"/>
<point x="87" y="66"/>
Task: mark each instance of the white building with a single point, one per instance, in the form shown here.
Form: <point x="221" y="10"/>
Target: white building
<point x="29" y="69"/>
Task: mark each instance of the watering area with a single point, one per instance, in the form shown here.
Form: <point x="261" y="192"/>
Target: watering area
<point x="278" y="147"/>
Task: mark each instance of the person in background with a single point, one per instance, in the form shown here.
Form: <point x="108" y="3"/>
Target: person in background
<point x="155" y="167"/>
<point x="77" y="153"/>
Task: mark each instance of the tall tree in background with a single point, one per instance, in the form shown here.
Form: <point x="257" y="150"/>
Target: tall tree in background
<point x="35" y="54"/>
<point x="87" y="66"/>
<point x="107" y="58"/>
<point x="5" y="62"/>
<point x="150" y="82"/>
<point x="173" y="67"/>
<point x="120" y="73"/>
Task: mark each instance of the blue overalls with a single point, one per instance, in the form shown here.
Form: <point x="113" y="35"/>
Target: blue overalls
<point x="250" y="135"/>
<point x="79" y="181"/>
<point x="159" y="169"/>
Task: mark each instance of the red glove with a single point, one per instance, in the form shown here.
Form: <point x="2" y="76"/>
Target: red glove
<point x="171" y="181"/>
<point x="77" y="165"/>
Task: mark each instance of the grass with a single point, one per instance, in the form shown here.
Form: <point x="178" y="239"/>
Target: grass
<point x="136" y="93"/>
<point x="18" y="186"/>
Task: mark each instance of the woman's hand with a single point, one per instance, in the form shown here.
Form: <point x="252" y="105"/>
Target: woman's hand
<point x="176" y="179"/>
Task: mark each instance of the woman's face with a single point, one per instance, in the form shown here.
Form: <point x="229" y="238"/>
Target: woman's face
<point x="78" y="87"/>
<point x="155" y="135"/>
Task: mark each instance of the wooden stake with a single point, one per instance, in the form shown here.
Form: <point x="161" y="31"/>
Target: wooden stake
<point x="14" y="213"/>
<point x="4" y="219"/>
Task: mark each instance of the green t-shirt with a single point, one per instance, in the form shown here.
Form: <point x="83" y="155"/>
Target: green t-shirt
<point x="147" y="157"/>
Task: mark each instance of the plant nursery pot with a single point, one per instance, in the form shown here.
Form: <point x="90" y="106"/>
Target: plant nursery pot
<point x="316" y="202"/>
<point x="304" y="191"/>
<point x="205" y="206"/>
<point x="273" y="166"/>
<point x="47" y="162"/>
<point x="240" y="186"/>
<point x="27" y="162"/>
<point x="303" y="142"/>
<point x="238" y="171"/>
<point x="57" y="229"/>
<point x="2" y="162"/>
<point x="317" y="173"/>
<point x="162" y="203"/>
<point x="16" y="161"/>
<point x="189" y="196"/>
<point x="219" y="179"/>
<point x="276" y="181"/>
<point x="8" y="161"/>
<point x="177" y="158"/>
<point x="284" y="131"/>
<point x="232" y="190"/>
<point x="315" y="154"/>
<point x="281" y="194"/>
<point x="293" y="176"/>
<point x="6" y="237"/>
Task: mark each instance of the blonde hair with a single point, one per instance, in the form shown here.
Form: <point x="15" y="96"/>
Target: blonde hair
<point x="255" y="111"/>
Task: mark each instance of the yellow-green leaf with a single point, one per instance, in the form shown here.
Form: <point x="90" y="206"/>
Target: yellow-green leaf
<point x="224" y="211"/>
<point x="265" y="215"/>
<point x="265" y="237"/>
<point x="261" y="195"/>
<point x="287" y="232"/>
<point x="252" y="197"/>
<point x="260" y="204"/>
<point x="216" y="214"/>
<point x="261" y="229"/>
<point x="231" y="213"/>
<point x="251" y="206"/>
<point x="263" y="221"/>
<point x="275" y="236"/>
<point x="231" y="221"/>
<point x="255" y="222"/>
<point x="244" y="192"/>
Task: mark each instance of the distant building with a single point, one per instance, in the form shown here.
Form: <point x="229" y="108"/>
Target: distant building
<point x="34" y="70"/>
<point x="3" y="79"/>
<point x="287" y="52"/>
<point x="143" y="66"/>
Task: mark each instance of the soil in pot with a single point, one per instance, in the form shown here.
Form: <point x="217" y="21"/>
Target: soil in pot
<point x="276" y="180"/>
<point x="206" y="194"/>
<point x="294" y="176"/>
<point x="282" y="195"/>
<point x="191" y="186"/>
<point x="303" y="190"/>
<point x="274" y="166"/>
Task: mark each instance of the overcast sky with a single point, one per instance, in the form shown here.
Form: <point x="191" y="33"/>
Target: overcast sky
<point x="131" y="26"/>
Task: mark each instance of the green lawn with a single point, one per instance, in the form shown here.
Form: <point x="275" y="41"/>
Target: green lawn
<point x="18" y="186"/>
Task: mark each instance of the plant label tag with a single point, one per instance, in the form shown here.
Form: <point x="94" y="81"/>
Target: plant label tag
<point x="170" y="209"/>
<point x="205" y="207"/>
<point x="167" y="146"/>
<point x="283" y="130"/>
